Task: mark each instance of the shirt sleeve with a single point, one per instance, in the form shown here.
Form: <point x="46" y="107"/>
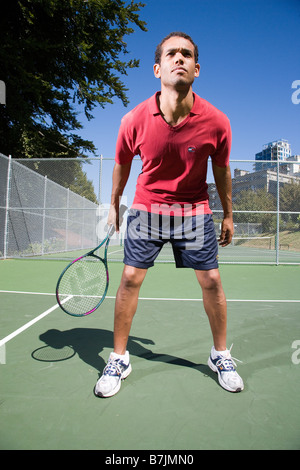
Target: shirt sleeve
<point x="222" y="154"/>
<point x="125" y="150"/>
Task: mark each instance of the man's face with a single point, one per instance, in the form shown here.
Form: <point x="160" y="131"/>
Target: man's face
<point x="177" y="68"/>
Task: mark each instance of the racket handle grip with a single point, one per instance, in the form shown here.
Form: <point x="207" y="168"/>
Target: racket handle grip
<point x="122" y="210"/>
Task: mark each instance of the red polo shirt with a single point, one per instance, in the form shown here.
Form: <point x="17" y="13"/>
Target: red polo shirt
<point x="174" y="158"/>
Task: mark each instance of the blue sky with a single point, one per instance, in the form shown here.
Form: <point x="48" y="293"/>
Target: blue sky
<point x="249" y="52"/>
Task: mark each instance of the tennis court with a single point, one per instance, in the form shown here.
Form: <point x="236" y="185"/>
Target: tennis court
<point x="171" y="401"/>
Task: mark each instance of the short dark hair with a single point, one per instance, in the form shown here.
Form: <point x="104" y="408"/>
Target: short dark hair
<point x="171" y="35"/>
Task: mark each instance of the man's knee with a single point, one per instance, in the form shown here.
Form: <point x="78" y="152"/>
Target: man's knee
<point x="209" y="280"/>
<point x="132" y="278"/>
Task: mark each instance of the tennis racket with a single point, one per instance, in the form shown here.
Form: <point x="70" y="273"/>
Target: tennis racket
<point x="83" y="284"/>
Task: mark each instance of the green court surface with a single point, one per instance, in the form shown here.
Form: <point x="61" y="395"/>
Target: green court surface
<point x="171" y="401"/>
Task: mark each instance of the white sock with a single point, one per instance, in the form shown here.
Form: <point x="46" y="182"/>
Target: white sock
<point x="123" y="357"/>
<point x="216" y="353"/>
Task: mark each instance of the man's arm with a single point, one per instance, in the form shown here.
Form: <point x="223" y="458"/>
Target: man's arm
<point x="119" y="180"/>
<point x="224" y="187"/>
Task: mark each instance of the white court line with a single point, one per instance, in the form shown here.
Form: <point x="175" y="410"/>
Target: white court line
<point x="25" y="292"/>
<point x="27" y="325"/>
<point x="228" y="300"/>
<point x="30" y="323"/>
<point x="161" y="298"/>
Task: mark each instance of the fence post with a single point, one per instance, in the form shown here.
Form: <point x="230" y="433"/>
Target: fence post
<point x="278" y="215"/>
<point x="100" y="180"/>
<point x="7" y="207"/>
<point x="44" y="213"/>
<point x="67" y="220"/>
<point x="82" y="222"/>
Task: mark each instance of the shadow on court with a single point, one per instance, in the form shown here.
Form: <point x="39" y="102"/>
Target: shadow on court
<point x="88" y="343"/>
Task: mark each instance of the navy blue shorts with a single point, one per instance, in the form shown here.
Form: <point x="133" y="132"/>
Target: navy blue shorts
<point x="193" y="240"/>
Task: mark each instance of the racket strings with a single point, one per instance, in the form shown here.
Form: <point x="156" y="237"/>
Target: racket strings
<point x="83" y="285"/>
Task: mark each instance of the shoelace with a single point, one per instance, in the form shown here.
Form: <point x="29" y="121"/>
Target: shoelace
<point x="228" y="362"/>
<point x="113" y="367"/>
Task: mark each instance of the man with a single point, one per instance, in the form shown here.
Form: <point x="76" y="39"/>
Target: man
<point x="174" y="132"/>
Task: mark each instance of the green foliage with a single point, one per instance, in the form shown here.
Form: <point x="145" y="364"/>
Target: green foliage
<point x="261" y="200"/>
<point x="290" y="202"/>
<point x="258" y="200"/>
<point x="55" y="54"/>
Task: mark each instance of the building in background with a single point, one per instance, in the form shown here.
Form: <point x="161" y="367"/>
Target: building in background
<point x="265" y="174"/>
<point x="271" y="153"/>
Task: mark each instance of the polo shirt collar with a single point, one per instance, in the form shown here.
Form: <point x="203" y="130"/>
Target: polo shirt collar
<point x="154" y="109"/>
<point x="153" y="106"/>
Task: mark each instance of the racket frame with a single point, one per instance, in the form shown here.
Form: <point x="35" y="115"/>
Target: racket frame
<point x="105" y="241"/>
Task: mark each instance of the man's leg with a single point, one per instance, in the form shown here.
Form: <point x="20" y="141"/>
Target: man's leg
<point x="214" y="300"/>
<point x="118" y="366"/>
<point x="215" y="305"/>
<point x="126" y="305"/>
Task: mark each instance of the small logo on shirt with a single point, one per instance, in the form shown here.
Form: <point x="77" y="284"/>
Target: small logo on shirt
<point x="192" y="149"/>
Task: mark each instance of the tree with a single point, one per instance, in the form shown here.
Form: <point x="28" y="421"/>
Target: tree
<point x="259" y="200"/>
<point x="55" y="54"/>
<point x="290" y="202"/>
<point x="69" y="174"/>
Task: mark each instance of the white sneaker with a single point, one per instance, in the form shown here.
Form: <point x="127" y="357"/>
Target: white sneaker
<point x="224" y="365"/>
<point x="117" y="369"/>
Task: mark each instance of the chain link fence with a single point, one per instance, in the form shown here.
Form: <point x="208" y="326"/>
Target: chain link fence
<point x="49" y="208"/>
<point x="39" y="216"/>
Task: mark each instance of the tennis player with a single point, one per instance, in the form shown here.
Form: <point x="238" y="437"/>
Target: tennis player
<point x="174" y="132"/>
